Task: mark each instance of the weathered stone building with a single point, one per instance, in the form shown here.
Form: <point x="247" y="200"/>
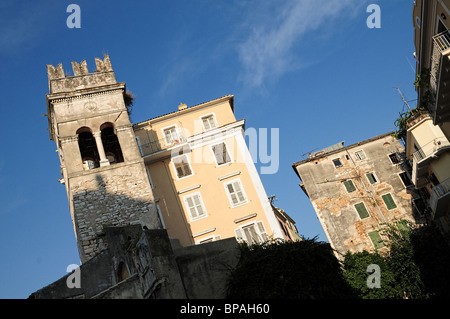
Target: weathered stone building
<point x="356" y="188"/>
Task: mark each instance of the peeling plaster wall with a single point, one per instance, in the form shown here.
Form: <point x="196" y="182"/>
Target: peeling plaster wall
<point x="334" y="206"/>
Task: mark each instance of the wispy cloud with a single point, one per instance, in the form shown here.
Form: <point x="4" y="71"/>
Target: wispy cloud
<point x="22" y="22"/>
<point x="276" y="28"/>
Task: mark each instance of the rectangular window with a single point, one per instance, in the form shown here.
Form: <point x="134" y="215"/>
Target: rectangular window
<point x="371" y="177"/>
<point x="405" y="179"/>
<point x="254" y="233"/>
<point x="182" y="167"/>
<point x="337" y="162"/>
<point x="221" y="154"/>
<point x="171" y="135"/>
<point x="394" y="158"/>
<point x="362" y="211"/>
<point x="209" y="239"/>
<point x="209" y="122"/>
<point x="376" y="239"/>
<point x="389" y="201"/>
<point x="402" y="225"/>
<point x="433" y="179"/>
<point x="195" y="207"/>
<point x="349" y="186"/>
<point x="235" y="193"/>
<point x="360" y="155"/>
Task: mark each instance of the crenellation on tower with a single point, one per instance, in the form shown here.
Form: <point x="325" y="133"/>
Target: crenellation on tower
<point x="81" y="78"/>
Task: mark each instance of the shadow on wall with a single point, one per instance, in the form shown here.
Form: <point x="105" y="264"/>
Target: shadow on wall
<point x="145" y="264"/>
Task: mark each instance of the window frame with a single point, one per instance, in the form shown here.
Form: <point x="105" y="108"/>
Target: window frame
<point x="226" y="150"/>
<point x="408" y="177"/>
<point x="352" y="184"/>
<point x="368" y="214"/>
<point x="374" y="176"/>
<point x="337" y="159"/>
<point x="164" y="129"/>
<point x="213" y="115"/>
<point x="208" y="239"/>
<point x="358" y="157"/>
<point x="257" y="224"/>
<point x="175" y="168"/>
<point x="245" y="201"/>
<point x="386" y="204"/>
<point x="188" y="208"/>
<point x="398" y="159"/>
<point x="379" y="242"/>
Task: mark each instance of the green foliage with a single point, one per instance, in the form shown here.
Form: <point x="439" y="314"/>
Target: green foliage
<point x="402" y="122"/>
<point x="417" y="266"/>
<point x="304" y="269"/>
<point x="432" y="257"/>
<point x="427" y="99"/>
<point x="355" y="273"/>
<point x="401" y="260"/>
<point x="129" y="100"/>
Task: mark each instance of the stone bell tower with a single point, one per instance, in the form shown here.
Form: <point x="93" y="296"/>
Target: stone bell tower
<point x="102" y="169"/>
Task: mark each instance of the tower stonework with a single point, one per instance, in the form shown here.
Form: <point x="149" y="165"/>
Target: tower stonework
<point x="101" y="165"/>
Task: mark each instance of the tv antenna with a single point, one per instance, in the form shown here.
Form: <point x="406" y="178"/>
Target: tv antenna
<point x="403" y="98"/>
<point x="272" y="198"/>
<point x="309" y="153"/>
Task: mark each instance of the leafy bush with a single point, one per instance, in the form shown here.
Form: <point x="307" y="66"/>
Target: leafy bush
<point x="304" y="269"/>
<point x="416" y="267"/>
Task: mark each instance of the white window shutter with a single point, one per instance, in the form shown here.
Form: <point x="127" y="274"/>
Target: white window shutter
<point x="239" y="235"/>
<point x="262" y="231"/>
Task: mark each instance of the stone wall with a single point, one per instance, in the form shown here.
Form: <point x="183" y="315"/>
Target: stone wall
<point x="335" y="205"/>
<point x="117" y="195"/>
<point x="157" y="267"/>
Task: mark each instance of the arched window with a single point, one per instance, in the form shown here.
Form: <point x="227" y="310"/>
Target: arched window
<point x="88" y="148"/>
<point x="111" y="144"/>
<point x="122" y="272"/>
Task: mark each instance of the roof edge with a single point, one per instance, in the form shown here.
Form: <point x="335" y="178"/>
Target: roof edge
<point x="343" y="148"/>
<point x="229" y="97"/>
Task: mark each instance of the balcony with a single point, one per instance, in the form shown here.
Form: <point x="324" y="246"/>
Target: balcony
<point x="440" y="199"/>
<point x="423" y="156"/>
<point x="440" y="77"/>
<point x="157" y="149"/>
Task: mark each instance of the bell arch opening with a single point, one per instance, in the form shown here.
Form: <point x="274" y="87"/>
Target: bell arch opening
<point x="111" y="144"/>
<point x="88" y="148"/>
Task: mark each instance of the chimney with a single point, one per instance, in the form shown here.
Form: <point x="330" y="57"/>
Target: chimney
<point x="182" y="106"/>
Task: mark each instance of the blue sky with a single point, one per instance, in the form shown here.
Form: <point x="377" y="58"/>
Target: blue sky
<point x="311" y="68"/>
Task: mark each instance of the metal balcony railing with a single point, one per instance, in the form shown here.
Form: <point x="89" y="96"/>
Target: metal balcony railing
<point x="438" y="192"/>
<point x="162" y="144"/>
<point x="441" y="189"/>
<point x="441" y="42"/>
<point x="430" y="148"/>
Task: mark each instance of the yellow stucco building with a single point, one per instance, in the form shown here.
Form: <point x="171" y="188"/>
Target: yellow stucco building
<point x="205" y="184"/>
